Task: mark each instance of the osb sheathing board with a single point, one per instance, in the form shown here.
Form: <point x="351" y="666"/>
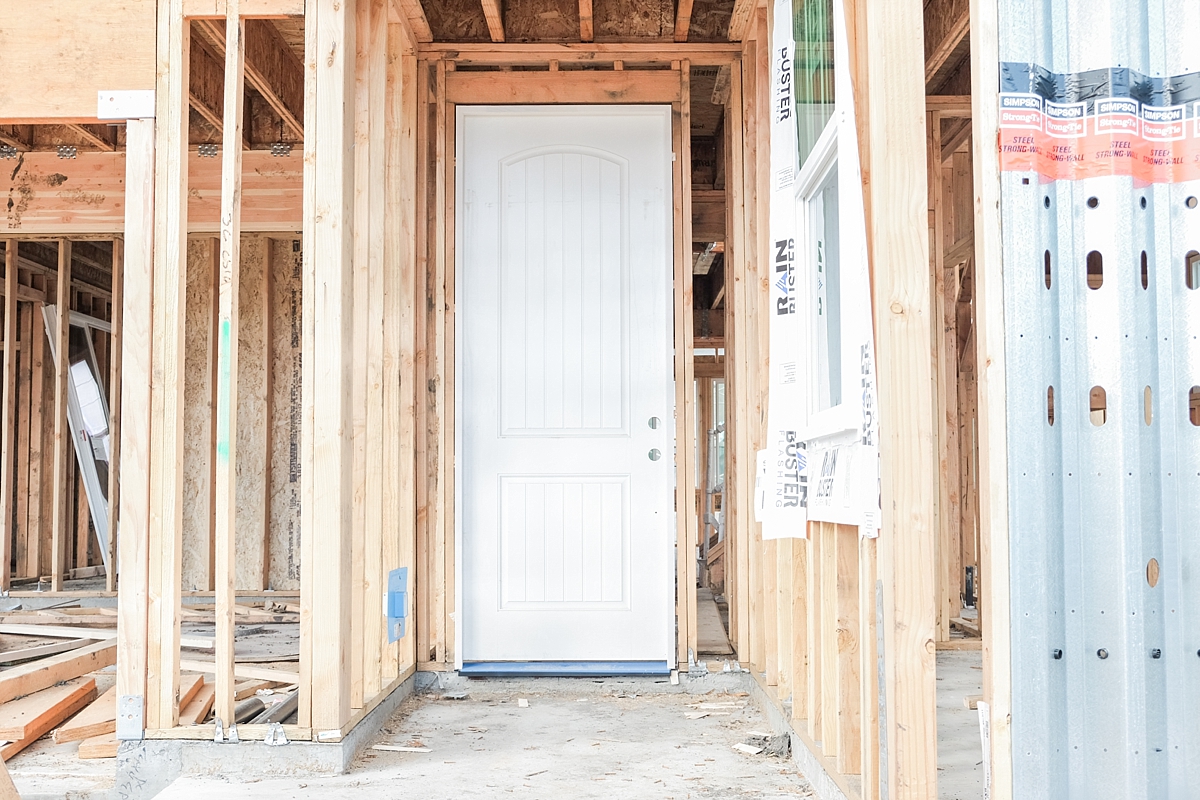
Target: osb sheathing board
<point x="542" y="21"/>
<point x="633" y="19"/>
<point x="284" y="567"/>
<point x="43" y="194"/>
<point x="198" y="416"/>
<point x="457" y="20"/>
<point x="252" y="429"/>
<point x="268" y="433"/>
<point x="56" y="55"/>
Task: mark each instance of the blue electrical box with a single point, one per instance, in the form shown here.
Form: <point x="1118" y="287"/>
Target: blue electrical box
<point x="395" y="604"/>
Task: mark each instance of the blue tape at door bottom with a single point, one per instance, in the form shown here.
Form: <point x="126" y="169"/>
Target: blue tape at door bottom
<point x="559" y="669"/>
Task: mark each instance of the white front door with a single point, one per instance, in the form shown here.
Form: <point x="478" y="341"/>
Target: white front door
<point x="564" y="388"/>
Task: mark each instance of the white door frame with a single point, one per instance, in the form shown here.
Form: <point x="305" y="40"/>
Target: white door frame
<point x="670" y="569"/>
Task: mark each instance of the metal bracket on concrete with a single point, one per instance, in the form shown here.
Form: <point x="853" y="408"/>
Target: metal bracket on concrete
<point x="275" y="736"/>
<point x="221" y="736"/>
<point x="130" y="719"/>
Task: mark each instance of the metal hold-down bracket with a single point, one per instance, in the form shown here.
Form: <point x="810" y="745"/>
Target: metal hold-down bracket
<point x="275" y="736"/>
<point x="221" y="736"/>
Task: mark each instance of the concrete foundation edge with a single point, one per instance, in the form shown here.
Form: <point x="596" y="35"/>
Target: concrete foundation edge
<point x="807" y="761"/>
<point x="148" y="767"/>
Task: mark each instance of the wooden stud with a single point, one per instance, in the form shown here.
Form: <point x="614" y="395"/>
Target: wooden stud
<point x="990" y="372"/>
<point x="62" y="435"/>
<point x="849" y="639"/>
<point x="898" y="251"/>
<point x="228" y="333"/>
<point x="448" y="421"/>
<point x="114" y="410"/>
<point x="587" y="31"/>
<point x="816" y="622"/>
<point x="797" y="608"/>
<point x="831" y="698"/>
<point x="328" y="280"/>
<point x="374" y="570"/>
<point x="133" y="517"/>
<point x="869" y="668"/>
<point x="423" y="566"/>
<point x="37" y="519"/>
<point x="437" y="512"/>
<point x="8" y="407"/>
<point x="29" y="327"/>
<point x="687" y="536"/>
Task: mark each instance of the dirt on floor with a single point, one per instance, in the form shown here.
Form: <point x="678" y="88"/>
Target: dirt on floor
<point x="551" y="738"/>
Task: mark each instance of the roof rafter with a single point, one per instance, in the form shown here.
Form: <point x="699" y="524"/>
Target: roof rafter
<point x="495" y="20"/>
<point x="272" y="69"/>
<point x="739" y="22"/>
<point x="683" y="20"/>
<point x="94" y="135"/>
<point x="587" y="28"/>
<point x="412" y="12"/>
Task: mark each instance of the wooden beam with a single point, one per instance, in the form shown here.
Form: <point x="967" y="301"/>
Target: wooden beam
<point x="473" y="88"/>
<point x="93" y="135"/>
<point x="683" y="20"/>
<point x="114" y="410"/>
<point x="949" y="105"/>
<point x="495" y="20"/>
<point x="8" y="408"/>
<point x="167" y="376"/>
<point x="414" y="14"/>
<point x="62" y="434"/>
<point x="228" y="334"/>
<point x="133" y="515"/>
<point x="946" y="24"/>
<point x="327" y="291"/>
<point x="587" y="29"/>
<point x="206" y="83"/>
<point x="989" y="333"/>
<point x="742" y="16"/>
<point x="218" y="9"/>
<point x="899" y="257"/>
<point x="540" y="53"/>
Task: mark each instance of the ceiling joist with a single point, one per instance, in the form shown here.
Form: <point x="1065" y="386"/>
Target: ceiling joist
<point x="683" y="20"/>
<point x="272" y="69"/>
<point x="495" y="21"/>
<point x="99" y="136"/>
<point x="414" y="15"/>
<point x="587" y="28"/>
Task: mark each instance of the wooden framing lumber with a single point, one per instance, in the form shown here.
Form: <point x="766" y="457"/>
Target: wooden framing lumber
<point x="587" y="28"/>
<point x="946" y="24"/>
<point x="683" y="20"/>
<point x="40" y="651"/>
<point x="97" y="719"/>
<point x="8" y="791"/>
<point x="687" y="533"/>
<point x="167" y="396"/>
<point x="261" y="9"/>
<point x="20" y="717"/>
<point x="949" y="105"/>
<point x="28" y="678"/>
<point x="270" y="67"/>
<point x="94" y="135"/>
<point x="60" y="466"/>
<point x="104" y="746"/>
<point x="473" y="88"/>
<point x="541" y="53"/>
<point x="495" y="19"/>
<point x="228" y="334"/>
<point x="8" y="408"/>
<point x="412" y="12"/>
<point x="244" y="671"/>
<point x="134" y="467"/>
<point x="990" y="368"/>
<point x="898" y="250"/>
<point x="328" y="284"/>
<point x="195" y="711"/>
<point x="114" y="412"/>
<point x="741" y="19"/>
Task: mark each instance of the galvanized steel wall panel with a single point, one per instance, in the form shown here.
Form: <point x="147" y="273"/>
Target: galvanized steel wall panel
<point x="1106" y="667"/>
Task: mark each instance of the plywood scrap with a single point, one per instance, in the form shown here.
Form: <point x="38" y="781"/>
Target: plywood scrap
<point x="38" y="675"/>
<point x="97" y="747"/>
<point x="97" y="719"/>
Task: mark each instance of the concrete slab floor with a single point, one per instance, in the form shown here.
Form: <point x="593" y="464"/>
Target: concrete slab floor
<point x="568" y="739"/>
<point x="960" y="749"/>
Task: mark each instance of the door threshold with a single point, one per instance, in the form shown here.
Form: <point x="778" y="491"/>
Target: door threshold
<point x="563" y="669"/>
